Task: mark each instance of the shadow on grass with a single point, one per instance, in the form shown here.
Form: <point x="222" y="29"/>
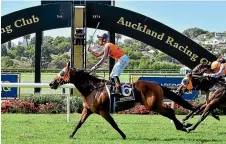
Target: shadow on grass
<point x="177" y="139"/>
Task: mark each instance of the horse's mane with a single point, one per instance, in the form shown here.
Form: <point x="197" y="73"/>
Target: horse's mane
<point x="83" y="73"/>
<point x="200" y="69"/>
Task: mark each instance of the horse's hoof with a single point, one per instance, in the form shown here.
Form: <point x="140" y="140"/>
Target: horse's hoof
<point x="188" y="125"/>
<point x="216" y="117"/>
<point x="70" y="137"/>
<point x="123" y="136"/>
<point x="183" y="129"/>
<point x="190" y="129"/>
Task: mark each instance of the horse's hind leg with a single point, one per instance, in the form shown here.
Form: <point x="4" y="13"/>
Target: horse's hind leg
<point x="85" y="114"/>
<point x="169" y="113"/>
<point x="208" y="109"/>
<point x="109" y="118"/>
<point x="190" y="114"/>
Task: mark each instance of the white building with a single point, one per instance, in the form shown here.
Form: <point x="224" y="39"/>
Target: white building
<point x="184" y="70"/>
<point x="202" y="36"/>
<point x="215" y="41"/>
<point x="219" y="35"/>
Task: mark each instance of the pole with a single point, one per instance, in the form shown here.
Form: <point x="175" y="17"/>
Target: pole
<point x="38" y="51"/>
<point x="112" y="40"/>
<point x="68" y="105"/>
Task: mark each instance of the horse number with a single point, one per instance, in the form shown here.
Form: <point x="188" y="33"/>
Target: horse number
<point x="96" y="16"/>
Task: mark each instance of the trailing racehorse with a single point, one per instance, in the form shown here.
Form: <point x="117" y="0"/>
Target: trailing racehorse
<point x="215" y="89"/>
<point x="96" y="96"/>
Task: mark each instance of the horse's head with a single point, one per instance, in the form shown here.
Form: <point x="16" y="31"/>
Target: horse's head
<point x="62" y="77"/>
<point x="194" y="78"/>
<point x="79" y="77"/>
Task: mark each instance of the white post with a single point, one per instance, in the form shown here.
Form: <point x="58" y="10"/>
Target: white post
<point x="43" y="85"/>
<point x="68" y="105"/>
<point x="172" y="107"/>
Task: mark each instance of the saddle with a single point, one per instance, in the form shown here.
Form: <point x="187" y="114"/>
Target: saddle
<point x="126" y="89"/>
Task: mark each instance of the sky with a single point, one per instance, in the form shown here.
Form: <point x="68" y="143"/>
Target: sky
<point x="179" y="15"/>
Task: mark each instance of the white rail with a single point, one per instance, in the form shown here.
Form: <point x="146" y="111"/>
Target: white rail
<point x="42" y="85"/>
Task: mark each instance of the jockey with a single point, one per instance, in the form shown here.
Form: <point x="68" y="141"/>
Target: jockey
<point x="221" y="59"/>
<point x="115" y="52"/>
<point x="218" y="68"/>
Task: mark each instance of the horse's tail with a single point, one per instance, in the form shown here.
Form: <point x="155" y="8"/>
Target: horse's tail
<point x="177" y="99"/>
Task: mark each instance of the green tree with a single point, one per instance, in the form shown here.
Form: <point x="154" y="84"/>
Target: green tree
<point x="27" y="37"/>
<point x="90" y="40"/>
<point x="32" y="42"/>
<point x="194" y="32"/>
<point x="58" y="39"/>
<point x="63" y="47"/>
<point x="46" y="58"/>
<point x="3" y="50"/>
<point x="209" y="35"/>
<point x="118" y="37"/>
<point x="9" y="44"/>
<point x="6" y="61"/>
<point x="20" y="51"/>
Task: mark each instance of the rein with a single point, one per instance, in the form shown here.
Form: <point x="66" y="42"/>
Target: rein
<point x="103" y="79"/>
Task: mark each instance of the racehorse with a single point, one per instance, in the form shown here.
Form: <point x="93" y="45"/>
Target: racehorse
<point x="215" y="89"/>
<point x="96" y="96"/>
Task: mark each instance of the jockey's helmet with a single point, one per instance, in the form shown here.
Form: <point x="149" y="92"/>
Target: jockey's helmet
<point x="102" y="37"/>
<point x="216" y="66"/>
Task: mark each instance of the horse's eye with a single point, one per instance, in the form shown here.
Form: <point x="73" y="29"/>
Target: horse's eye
<point x="62" y="73"/>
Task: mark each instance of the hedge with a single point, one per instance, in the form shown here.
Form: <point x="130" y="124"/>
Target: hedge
<point x="55" y="104"/>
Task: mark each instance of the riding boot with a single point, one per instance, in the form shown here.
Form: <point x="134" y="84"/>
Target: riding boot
<point x="112" y="80"/>
<point x="117" y="85"/>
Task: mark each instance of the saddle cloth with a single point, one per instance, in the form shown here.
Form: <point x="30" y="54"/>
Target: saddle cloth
<point x="126" y="89"/>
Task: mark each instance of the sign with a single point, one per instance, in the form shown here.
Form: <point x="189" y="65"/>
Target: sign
<point x="8" y="92"/>
<point x="38" y="18"/>
<point x="171" y="82"/>
<point x="113" y="19"/>
<point x="77" y="2"/>
<point x="149" y="31"/>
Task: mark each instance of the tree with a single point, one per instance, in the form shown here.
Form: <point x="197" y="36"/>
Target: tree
<point x="90" y="40"/>
<point x="194" y="32"/>
<point x="9" y="44"/>
<point x="46" y="58"/>
<point x="58" y="40"/>
<point x="32" y="40"/>
<point x="3" y="50"/>
<point x="118" y="37"/>
<point x="20" y="51"/>
<point x="6" y="61"/>
<point x="210" y="35"/>
<point x="27" y="37"/>
<point x="63" y="47"/>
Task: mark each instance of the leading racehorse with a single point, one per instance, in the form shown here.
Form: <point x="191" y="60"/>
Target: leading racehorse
<point x="215" y="89"/>
<point x="96" y="96"/>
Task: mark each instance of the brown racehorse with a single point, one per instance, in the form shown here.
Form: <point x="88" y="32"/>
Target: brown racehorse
<point x="215" y="89"/>
<point x="96" y="97"/>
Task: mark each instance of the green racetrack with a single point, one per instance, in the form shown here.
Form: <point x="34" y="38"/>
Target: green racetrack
<point x="140" y="129"/>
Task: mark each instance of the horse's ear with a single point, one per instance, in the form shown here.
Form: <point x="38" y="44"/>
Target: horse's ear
<point x="68" y="65"/>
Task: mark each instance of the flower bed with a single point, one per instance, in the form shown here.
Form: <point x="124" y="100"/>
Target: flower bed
<point x="41" y="104"/>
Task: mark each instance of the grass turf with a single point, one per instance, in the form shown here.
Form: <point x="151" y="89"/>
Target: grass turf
<point x="140" y="129"/>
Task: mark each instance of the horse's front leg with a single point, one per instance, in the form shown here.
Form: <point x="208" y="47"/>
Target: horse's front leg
<point x="109" y="118"/>
<point x="208" y="109"/>
<point x="85" y="114"/>
<point x="212" y="113"/>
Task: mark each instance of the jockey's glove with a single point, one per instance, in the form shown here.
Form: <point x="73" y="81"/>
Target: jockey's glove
<point x="206" y="75"/>
<point x="94" y="68"/>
